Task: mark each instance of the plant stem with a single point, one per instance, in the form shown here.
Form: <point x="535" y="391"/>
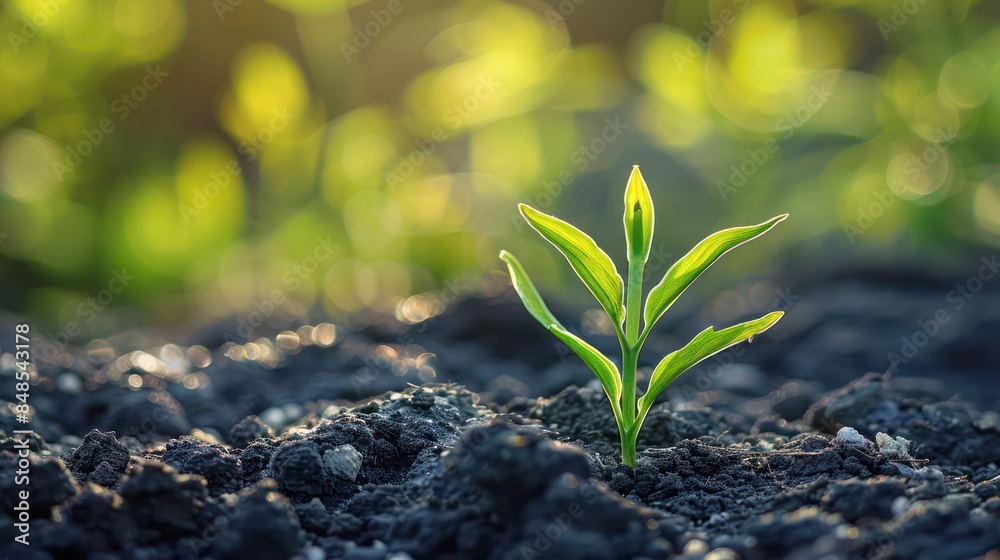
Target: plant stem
<point x="628" y="447"/>
<point x="633" y="302"/>
<point x="630" y="358"/>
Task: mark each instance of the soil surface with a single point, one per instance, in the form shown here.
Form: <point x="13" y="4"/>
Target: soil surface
<point x="472" y="435"/>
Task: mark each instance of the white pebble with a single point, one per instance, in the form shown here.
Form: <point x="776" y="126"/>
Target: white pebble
<point x="850" y="436"/>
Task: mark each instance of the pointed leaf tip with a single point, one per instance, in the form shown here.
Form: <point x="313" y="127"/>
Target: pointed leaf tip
<point x="526" y="290"/>
<point x="603" y="368"/>
<point x="638" y="218"/>
<point x="708" y="343"/>
<point x="594" y="267"/>
<point x="686" y="270"/>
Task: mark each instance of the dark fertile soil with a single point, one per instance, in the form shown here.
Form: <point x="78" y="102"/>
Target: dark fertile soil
<point x="502" y="447"/>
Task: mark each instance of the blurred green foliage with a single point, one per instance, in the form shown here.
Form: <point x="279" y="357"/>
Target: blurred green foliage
<point x="217" y="150"/>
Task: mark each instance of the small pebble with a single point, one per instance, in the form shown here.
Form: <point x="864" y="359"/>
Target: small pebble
<point x="849" y="436"/>
<point x="343" y="462"/>
<point x="897" y="449"/>
<point x="274" y="417"/>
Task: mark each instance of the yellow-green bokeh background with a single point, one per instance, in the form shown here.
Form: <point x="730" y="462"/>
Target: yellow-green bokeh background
<point x="503" y="94"/>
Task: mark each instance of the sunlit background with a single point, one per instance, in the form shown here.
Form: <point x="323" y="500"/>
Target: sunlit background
<point x="179" y="163"/>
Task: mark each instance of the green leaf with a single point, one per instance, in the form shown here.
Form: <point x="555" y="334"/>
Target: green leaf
<point x="638" y="217"/>
<point x="605" y="370"/>
<point x="690" y="266"/>
<point x="590" y="263"/>
<point x="530" y="297"/>
<point x="709" y="342"/>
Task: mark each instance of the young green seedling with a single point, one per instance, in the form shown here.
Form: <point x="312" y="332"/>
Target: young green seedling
<point x="623" y="303"/>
